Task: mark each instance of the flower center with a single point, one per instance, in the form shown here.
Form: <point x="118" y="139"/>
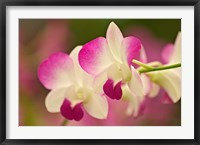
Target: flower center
<point x="83" y="94"/>
<point x="125" y="72"/>
<point x="80" y="95"/>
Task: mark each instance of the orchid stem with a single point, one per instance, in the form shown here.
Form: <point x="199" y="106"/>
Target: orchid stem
<point x="149" y="68"/>
<point x="161" y="68"/>
<point x="142" y="64"/>
<point x="64" y="123"/>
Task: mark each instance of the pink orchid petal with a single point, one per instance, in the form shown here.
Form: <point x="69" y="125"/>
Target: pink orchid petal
<point x="66" y="110"/>
<point x="143" y="56"/>
<point x="108" y="88"/>
<point x="55" y="71"/>
<point x="118" y="91"/>
<point x="78" y="112"/>
<point x="70" y="113"/>
<point x="131" y="47"/>
<point x="167" y="52"/>
<point x="94" y="56"/>
<point x="113" y="92"/>
<point x="149" y="42"/>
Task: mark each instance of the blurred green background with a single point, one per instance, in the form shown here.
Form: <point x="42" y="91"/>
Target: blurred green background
<point x="38" y="38"/>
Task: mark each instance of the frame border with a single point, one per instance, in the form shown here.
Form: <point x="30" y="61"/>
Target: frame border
<point x="5" y="3"/>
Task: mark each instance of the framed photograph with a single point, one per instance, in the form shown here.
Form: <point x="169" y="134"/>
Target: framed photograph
<point x="99" y="72"/>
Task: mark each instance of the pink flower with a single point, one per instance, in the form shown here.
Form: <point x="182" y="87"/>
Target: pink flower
<point x="111" y="58"/>
<point x="70" y="93"/>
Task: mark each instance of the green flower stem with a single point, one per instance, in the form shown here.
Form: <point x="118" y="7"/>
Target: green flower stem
<point x="64" y="123"/>
<point x="142" y="64"/>
<point x="161" y="68"/>
<point x="148" y="68"/>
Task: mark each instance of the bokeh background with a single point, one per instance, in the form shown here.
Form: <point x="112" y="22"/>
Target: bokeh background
<point x="38" y="38"/>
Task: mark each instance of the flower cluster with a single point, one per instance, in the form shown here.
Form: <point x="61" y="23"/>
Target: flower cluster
<point x="114" y="68"/>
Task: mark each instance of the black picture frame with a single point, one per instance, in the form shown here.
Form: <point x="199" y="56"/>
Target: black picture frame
<point x="5" y="3"/>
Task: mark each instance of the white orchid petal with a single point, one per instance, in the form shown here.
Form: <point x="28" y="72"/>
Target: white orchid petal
<point x="97" y="106"/>
<point x="170" y="81"/>
<point x="176" y="55"/>
<point x="136" y="85"/>
<point x="114" y="73"/>
<point x="133" y="101"/>
<point x="55" y="99"/>
<point x="114" y="38"/>
<point x="99" y="81"/>
<point x="125" y="72"/>
<point x="154" y="90"/>
<point x="146" y="83"/>
<point x="81" y="75"/>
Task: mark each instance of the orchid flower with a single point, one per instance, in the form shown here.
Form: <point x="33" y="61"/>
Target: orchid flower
<point x="169" y="79"/>
<point x="110" y="59"/>
<point x="72" y="89"/>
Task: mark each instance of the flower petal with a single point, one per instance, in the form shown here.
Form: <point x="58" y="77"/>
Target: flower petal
<point x="130" y="49"/>
<point x="118" y="91"/>
<point x="109" y="88"/>
<point x="154" y="90"/>
<point x="97" y="106"/>
<point x="94" y="57"/>
<point x="176" y="55"/>
<point x="113" y="91"/>
<point x="114" y="38"/>
<point x="56" y="71"/>
<point x="114" y="73"/>
<point x="78" y="112"/>
<point x="99" y="81"/>
<point x="151" y="89"/>
<point x="170" y="81"/>
<point x="81" y="75"/>
<point x="146" y="83"/>
<point x="143" y="56"/>
<point x="120" y="73"/>
<point x="70" y="112"/>
<point x="55" y="99"/>
<point x="136" y="85"/>
<point x="66" y="110"/>
<point x="125" y="72"/>
<point x="134" y="107"/>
